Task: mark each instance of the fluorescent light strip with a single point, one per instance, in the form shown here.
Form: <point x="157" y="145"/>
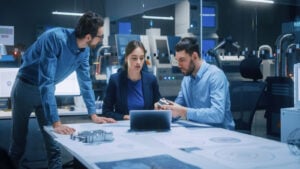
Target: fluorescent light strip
<point x="261" y="1"/>
<point x="67" y="13"/>
<point x="158" y="17"/>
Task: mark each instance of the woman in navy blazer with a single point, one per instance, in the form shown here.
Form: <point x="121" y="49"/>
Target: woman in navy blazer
<point x="130" y="88"/>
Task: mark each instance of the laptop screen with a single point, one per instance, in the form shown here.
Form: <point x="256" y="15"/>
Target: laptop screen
<point x="150" y="120"/>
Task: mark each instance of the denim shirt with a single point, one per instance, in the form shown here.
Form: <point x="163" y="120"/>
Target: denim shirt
<point x="48" y="61"/>
<point x="207" y="97"/>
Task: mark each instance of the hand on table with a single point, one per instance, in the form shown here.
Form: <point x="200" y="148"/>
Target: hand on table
<point x="97" y="119"/>
<point x="62" y="129"/>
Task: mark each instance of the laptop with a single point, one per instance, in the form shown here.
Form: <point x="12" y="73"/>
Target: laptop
<point x="150" y="120"/>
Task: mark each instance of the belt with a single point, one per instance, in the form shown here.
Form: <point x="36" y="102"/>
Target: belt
<point x="26" y="81"/>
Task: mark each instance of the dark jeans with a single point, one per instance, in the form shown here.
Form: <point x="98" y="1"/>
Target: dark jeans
<point x="25" y="99"/>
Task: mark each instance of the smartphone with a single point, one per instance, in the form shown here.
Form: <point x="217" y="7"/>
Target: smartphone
<point x="163" y="101"/>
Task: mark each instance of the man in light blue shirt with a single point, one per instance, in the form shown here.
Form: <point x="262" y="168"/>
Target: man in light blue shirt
<point x="204" y="94"/>
<point x="55" y="55"/>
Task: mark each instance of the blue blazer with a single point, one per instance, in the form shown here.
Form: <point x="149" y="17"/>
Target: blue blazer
<point x="115" y="100"/>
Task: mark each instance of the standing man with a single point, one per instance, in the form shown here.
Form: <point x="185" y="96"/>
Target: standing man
<point x="204" y="94"/>
<point x="55" y="55"/>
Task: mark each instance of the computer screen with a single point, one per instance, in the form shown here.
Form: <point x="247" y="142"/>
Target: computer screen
<point x="68" y="87"/>
<point x="209" y="16"/>
<point x="124" y="28"/>
<point x="162" y="51"/>
<point x="173" y="40"/>
<point x="7" y="79"/>
<point x="208" y="44"/>
<point x="121" y="42"/>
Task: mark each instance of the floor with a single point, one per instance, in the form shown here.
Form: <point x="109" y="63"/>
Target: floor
<point x="259" y="126"/>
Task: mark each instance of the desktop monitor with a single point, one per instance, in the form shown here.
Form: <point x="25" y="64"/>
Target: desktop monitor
<point x="121" y="42"/>
<point x="162" y="51"/>
<point x="7" y="79"/>
<point x="173" y="40"/>
<point x="68" y="87"/>
<point x="297" y="85"/>
<point x="209" y="16"/>
<point x="124" y="28"/>
<point x="208" y="44"/>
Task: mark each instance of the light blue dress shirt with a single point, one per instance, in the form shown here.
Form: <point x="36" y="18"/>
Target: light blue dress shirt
<point x="49" y="60"/>
<point x="206" y="97"/>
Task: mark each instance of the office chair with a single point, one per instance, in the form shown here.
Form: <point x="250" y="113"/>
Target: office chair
<point x="245" y="95"/>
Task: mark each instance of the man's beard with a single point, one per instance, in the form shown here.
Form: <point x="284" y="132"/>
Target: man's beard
<point x="190" y="70"/>
<point x="93" y="46"/>
<point x="90" y="45"/>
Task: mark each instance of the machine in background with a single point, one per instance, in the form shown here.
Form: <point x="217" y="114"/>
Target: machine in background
<point x="166" y="69"/>
<point x="280" y="93"/>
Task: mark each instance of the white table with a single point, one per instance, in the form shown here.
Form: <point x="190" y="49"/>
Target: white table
<point x="202" y="147"/>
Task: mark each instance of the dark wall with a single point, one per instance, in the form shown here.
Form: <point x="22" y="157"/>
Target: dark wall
<point x="125" y="8"/>
<point x="253" y="25"/>
<point x="30" y="16"/>
<point x="139" y="25"/>
<point x="238" y="20"/>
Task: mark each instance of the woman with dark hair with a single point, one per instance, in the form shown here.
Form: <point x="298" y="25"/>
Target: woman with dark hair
<point x="131" y="88"/>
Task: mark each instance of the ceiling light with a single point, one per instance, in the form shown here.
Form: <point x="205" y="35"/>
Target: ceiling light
<point x="261" y="1"/>
<point x="158" y="17"/>
<point x="67" y="13"/>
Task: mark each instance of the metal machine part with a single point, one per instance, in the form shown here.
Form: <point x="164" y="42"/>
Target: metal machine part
<point x="279" y="43"/>
<point x="265" y="47"/>
<point x="267" y="65"/>
<point x="93" y="136"/>
<point x="101" y="52"/>
<point x="227" y="60"/>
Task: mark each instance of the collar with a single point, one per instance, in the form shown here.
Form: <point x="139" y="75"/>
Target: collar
<point x="72" y="43"/>
<point x="203" y="68"/>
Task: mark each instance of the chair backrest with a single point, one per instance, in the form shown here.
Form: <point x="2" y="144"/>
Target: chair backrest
<point x="250" y="68"/>
<point x="245" y="96"/>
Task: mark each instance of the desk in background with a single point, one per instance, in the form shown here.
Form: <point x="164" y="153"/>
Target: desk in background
<point x="192" y="147"/>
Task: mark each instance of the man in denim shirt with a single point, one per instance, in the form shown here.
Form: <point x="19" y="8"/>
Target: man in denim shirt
<point x="204" y="94"/>
<point x="55" y="55"/>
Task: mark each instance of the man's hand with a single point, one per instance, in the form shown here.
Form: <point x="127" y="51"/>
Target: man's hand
<point x="159" y="105"/>
<point x="97" y="119"/>
<point x="62" y="129"/>
<point x="177" y="110"/>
